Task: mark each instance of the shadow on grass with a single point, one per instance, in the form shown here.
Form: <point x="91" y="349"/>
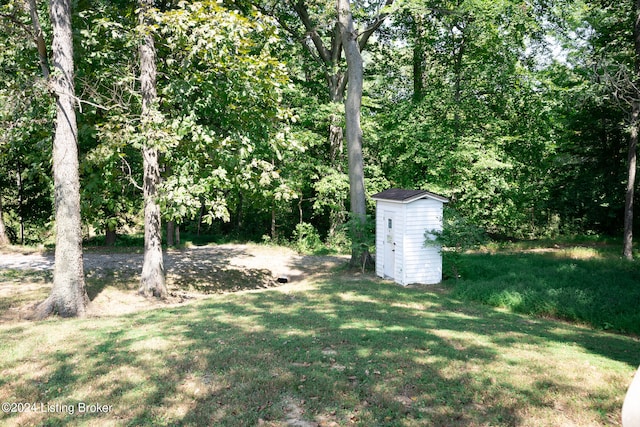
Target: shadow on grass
<point x="362" y="353"/>
<point x="205" y="270"/>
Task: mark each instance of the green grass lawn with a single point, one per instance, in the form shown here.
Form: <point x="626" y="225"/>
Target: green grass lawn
<point x="343" y="351"/>
<point x="588" y="284"/>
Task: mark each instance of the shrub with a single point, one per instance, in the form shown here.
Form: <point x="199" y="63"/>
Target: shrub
<point x="306" y="238"/>
<point x="457" y="235"/>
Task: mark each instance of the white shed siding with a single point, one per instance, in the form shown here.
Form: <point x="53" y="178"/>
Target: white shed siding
<point x="421" y="264"/>
<point x="413" y="262"/>
<point x="380" y="239"/>
<point x="398" y="239"/>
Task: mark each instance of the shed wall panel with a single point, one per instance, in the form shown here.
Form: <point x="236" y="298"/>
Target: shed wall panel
<point x="379" y="240"/>
<point x="399" y="236"/>
<point x="414" y="263"/>
<point x="421" y="264"/>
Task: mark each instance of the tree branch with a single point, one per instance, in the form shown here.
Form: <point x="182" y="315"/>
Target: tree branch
<point x="34" y="32"/>
<point x="12" y="18"/>
<point x="295" y="34"/>
<point x="336" y="41"/>
<point x="38" y="38"/>
<point x="303" y="14"/>
<point x="130" y="175"/>
<point x="364" y="36"/>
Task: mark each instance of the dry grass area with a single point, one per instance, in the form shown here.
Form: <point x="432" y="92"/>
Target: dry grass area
<point x="192" y="273"/>
<point x="330" y="348"/>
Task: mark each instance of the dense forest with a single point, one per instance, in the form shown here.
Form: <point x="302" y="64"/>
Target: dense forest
<point x="523" y="113"/>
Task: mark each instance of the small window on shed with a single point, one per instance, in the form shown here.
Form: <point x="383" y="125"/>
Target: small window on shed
<point x="390" y="223"/>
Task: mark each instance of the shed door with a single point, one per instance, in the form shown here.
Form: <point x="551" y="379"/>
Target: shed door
<point x="389" y="245"/>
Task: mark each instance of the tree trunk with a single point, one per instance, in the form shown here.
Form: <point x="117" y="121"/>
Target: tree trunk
<point x="353" y="129"/>
<point x="171" y="229"/>
<point x="418" y="61"/>
<point x="457" y="85"/>
<point x="627" y="250"/>
<point x="336" y="142"/>
<point x="152" y="281"/>
<point x="177" y="234"/>
<point x="110" y="236"/>
<point x="200" y="215"/>
<point x="4" y="239"/>
<point x="627" y="244"/>
<point x="274" y="235"/>
<point x="336" y="83"/>
<point x="68" y="295"/>
<point x="239" y="212"/>
<point x="20" y="203"/>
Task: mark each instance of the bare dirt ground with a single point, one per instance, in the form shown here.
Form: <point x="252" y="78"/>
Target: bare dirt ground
<point x="192" y="273"/>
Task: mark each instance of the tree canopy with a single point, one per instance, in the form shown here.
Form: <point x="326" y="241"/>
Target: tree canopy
<point x="521" y="113"/>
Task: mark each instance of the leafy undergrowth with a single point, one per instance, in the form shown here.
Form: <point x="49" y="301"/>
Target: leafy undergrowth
<point x="345" y="351"/>
<point x="589" y="285"/>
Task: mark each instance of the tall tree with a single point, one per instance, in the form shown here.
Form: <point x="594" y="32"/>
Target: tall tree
<point x="463" y="108"/>
<point x="152" y="281"/>
<point x="68" y="295"/>
<point x="611" y="47"/>
<point x="353" y="103"/>
<point x="316" y="25"/>
<point x="627" y="249"/>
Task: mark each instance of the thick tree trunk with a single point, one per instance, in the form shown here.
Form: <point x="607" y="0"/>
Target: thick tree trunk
<point x="68" y="295"/>
<point x="152" y="281"/>
<point x="353" y="103"/>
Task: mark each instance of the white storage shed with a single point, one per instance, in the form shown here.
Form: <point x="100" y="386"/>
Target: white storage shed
<point x="402" y="218"/>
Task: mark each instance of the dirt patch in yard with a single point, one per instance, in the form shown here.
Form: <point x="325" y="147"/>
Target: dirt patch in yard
<point x="192" y="273"/>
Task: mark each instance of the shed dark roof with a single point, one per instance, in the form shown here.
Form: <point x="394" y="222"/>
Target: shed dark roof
<point x="402" y="195"/>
